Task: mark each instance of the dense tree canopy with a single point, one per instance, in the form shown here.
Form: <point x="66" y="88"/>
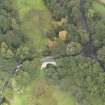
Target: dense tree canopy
<point x="73" y="36"/>
<point x="9" y="24"/>
<point x="82" y="76"/>
<point x="82" y="71"/>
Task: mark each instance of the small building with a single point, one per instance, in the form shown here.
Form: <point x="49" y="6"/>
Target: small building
<point x="49" y="60"/>
<point x="63" y="35"/>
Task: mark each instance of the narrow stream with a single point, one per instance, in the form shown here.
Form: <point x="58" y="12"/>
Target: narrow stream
<point x="88" y="48"/>
<point x="7" y="82"/>
<point x="83" y="17"/>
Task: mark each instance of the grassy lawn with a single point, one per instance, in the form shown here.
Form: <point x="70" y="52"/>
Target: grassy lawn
<point x="24" y="6"/>
<point x="99" y="7"/>
<point x="39" y="92"/>
<point x="50" y="96"/>
<point x="35" y="20"/>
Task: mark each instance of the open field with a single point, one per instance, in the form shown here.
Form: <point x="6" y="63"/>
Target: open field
<point x="48" y="95"/>
<point x="35" y="20"/>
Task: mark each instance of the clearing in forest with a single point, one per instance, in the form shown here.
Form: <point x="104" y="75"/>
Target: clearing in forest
<point x="35" y="21"/>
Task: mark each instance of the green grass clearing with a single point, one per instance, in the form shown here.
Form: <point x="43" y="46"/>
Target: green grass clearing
<point x="35" y="20"/>
<point x="99" y="7"/>
<point x="51" y="96"/>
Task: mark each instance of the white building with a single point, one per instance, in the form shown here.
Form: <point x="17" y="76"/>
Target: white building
<point x="48" y="60"/>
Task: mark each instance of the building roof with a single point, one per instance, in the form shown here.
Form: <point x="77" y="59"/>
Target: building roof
<point x="45" y="64"/>
<point x="48" y="59"/>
